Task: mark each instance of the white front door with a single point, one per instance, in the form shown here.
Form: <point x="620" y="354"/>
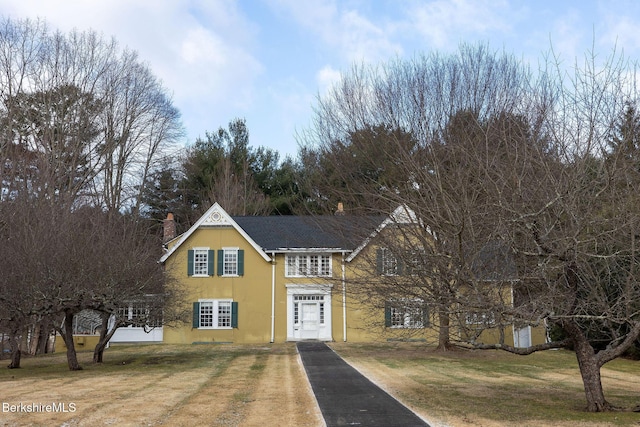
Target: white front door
<point x="309" y="320"/>
<point x="308" y="312"/>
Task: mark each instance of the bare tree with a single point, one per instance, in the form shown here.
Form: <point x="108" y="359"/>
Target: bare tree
<point x="572" y="220"/>
<point x="514" y="188"/>
<point x="90" y="111"/>
<point x="81" y="124"/>
<point x="432" y="107"/>
<point x="139" y="121"/>
<point x="130" y="276"/>
<point x="28" y="238"/>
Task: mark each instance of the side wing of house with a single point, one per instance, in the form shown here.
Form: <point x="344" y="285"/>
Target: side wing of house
<point x="391" y="294"/>
<point x="385" y="301"/>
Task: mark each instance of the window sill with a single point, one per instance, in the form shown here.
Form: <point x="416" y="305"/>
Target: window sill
<point x="406" y="327"/>
<point x="309" y="276"/>
<point x="228" y="328"/>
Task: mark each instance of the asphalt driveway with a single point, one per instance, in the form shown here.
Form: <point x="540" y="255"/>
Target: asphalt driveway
<point x="346" y="397"/>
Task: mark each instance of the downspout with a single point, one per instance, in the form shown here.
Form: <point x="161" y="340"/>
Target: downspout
<point x="273" y="295"/>
<point x="344" y="300"/>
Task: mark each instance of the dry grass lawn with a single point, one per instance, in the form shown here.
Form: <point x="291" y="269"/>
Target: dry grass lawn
<point x="166" y="385"/>
<point x="227" y="385"/>
<point x="494" y="388"/>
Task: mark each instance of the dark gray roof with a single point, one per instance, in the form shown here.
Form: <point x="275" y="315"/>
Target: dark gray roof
<point x="298" y="232"/>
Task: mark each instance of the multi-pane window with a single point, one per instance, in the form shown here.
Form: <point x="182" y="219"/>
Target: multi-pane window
<point x="200" y="262"/>
<point x="416" y="261"/>
<point x="140" y="314"/>
<point x="230" y="263"/>
<point x="325" y="265"/>
<point x="406" y="314"/>
<point x="206" y="314"/>
<point x="214" y="314"/>
<point x="314" y="266"/>
<point x="387" y="262"/>
<point x="300" y="265"/>
<point x="487" y="319"/>
<point x="224" y="314"/>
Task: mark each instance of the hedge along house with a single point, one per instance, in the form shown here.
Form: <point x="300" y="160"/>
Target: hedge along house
<point x="259" y="279"/>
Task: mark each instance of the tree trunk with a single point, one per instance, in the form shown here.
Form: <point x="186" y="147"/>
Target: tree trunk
<point x="14" y="343"/>
<point x="105" y="336"/>
<point x="444" y="339"/>
<point x="589" y="370"/>
<point x="72" y="358"/>
<point x="99" y="351"/>
<point x="44" y="331"/>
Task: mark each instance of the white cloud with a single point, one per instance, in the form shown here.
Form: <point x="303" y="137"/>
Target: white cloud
<point x="202" y="46"/>
<point x="202" y="51"/>
<point x="622" y="31"/>
<point x="445" y="23"/>
<point x="327" y="77"/>
<point x="567" y="36"/>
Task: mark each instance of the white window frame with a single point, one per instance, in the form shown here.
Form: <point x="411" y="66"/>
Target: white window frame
<point x="480" y="319"/>
<point x="389" y="263"/>
<point x="198" y="264"/>
<point x="308" y="265"/>
<point x="407" y="314"/>
<point x="416" y="262"/>
<point x="137" y="310"/>
<point x="219" y="316"/>
<point x="230" y="268"/>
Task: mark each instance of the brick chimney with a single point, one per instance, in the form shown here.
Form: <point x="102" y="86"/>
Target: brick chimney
<point x="340" y="210"/>
<point x="169" y="227"/>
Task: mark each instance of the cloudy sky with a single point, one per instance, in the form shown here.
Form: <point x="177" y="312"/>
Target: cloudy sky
<point x="267" y="60"/>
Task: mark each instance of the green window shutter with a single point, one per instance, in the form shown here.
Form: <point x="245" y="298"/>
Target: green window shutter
<point x="190" y="262"/>
<point x="210" y="262"/>
<point x="196" y="315"/>
<point x="240" y="262"/>
<point x="379" y="260"/>
<point x="220" y="262"/>
<point x="400" y="267"/>
<point x="234" y="314"/>
<point x="387" y="314"/>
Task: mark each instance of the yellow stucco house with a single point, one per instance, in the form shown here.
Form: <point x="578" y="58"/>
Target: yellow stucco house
<point x="261" y="279"/>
